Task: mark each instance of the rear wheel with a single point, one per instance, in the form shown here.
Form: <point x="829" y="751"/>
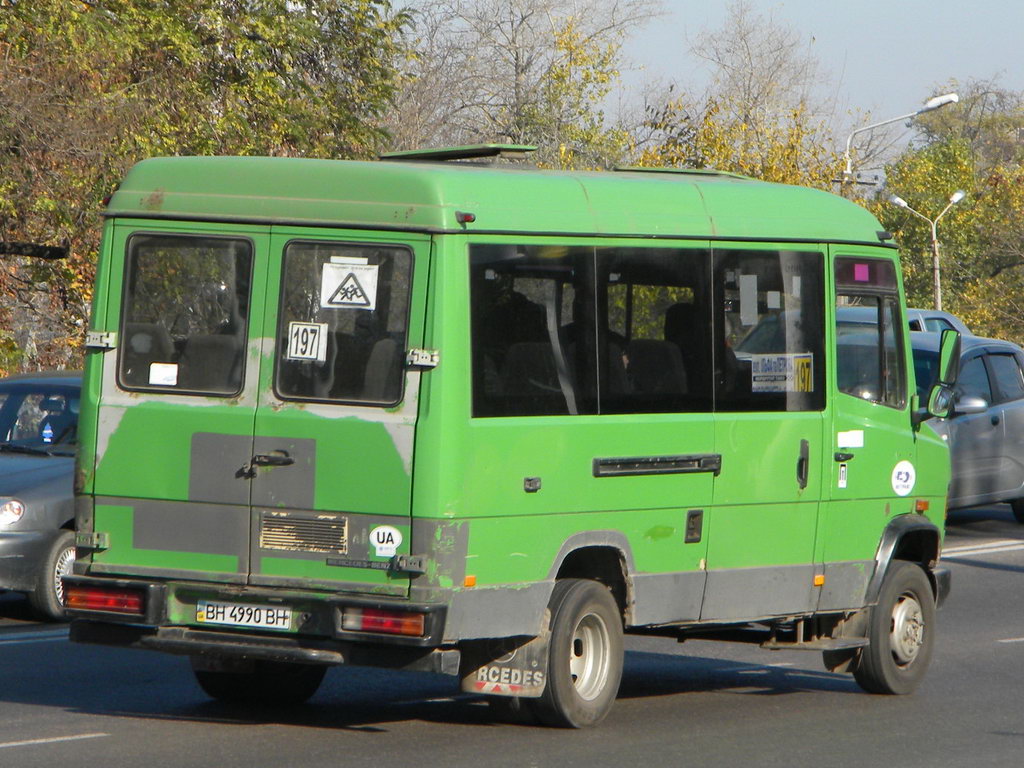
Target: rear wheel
<point x="258" y="683"/>
<point x="47" y="599"/>
<point x="901" y="631"/>
<point x="584" y="655"/>
<point x="1017" y="505"/>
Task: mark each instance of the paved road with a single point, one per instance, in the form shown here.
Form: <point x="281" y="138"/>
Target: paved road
<point x="698" y="703"/>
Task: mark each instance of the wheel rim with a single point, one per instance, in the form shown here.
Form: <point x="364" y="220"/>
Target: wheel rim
<point x="588" y="656"/>
<point x="62" y="568"/>
<point x="907" y="634"/>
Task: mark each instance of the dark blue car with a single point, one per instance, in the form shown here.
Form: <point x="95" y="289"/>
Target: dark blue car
<point x="38" y="426"/>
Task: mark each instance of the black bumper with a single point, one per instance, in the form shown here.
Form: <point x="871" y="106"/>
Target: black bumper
<point x="320" y="639"/>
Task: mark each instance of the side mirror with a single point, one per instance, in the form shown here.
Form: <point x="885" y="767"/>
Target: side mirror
<point x="940" y="399"/>
<point x="949" y="358"/>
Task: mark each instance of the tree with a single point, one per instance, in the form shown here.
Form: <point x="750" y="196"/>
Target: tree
<point x="973" y="147"/>
<point x="759" y="116"/>
<point x="88" y="88"/>
<point x="520" y="72"/>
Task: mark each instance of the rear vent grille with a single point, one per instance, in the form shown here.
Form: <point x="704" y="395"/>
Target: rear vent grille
<point x="305" y="534"/>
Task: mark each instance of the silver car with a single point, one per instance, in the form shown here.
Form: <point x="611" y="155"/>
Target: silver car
<point x="986" y="429"/>
<point x="38" y="425"/>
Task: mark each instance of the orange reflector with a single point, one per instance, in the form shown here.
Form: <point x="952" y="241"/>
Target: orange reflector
<point x="819" y="580"/>
<point x="103" y="599"/>
<point x="383" y="622"/>
<point x="921" y="505"/>
<point x="469" y="581"/>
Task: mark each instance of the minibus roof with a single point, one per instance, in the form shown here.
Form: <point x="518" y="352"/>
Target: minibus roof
<point x="440" y="197"/>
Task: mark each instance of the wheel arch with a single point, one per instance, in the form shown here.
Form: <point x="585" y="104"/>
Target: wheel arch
<point x="603" y="556"/>
<point x="912" y="538"/>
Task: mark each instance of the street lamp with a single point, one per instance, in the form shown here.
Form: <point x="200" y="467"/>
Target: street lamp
<point x="955" y="198"/>
<point x="933" y="103"/>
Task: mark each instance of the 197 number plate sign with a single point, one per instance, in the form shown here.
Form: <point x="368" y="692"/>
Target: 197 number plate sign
<point x="241" y="615"/>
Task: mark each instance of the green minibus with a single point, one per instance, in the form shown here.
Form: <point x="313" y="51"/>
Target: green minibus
<point x="449" y="413"/>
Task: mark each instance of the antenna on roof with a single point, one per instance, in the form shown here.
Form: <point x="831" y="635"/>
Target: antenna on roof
<point x="468" y="152"/>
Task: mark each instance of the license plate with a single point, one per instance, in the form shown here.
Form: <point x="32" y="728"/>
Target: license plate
<point x="242" y="615"/>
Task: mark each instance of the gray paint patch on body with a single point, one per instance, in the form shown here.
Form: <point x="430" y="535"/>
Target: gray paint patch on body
<point x="445" y="544"/>
<point x="209" y="529"/>
<point x="663" y="598"/>
<point x="745" y="594"/>
<point x="291" y="486"/>
<point x="845" y="585"/>
<point x="215" y="462"/>
<point x="510" y="611"/>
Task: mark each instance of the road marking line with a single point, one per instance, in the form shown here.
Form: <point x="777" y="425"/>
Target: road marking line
<point x="53" y="740"/>
<point x="985" y="545"/>
<point x="982" y="549"/>
<point x="34" y="637"/>
<point x="1012" y="640"/>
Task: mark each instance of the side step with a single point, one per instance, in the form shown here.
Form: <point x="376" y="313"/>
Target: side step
<point x="817" y="644"/>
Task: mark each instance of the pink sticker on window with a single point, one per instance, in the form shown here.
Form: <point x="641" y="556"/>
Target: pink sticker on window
<point x="861" y="273"/>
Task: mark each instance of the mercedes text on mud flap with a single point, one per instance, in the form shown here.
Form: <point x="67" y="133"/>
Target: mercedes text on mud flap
<point x="485" y="420"/>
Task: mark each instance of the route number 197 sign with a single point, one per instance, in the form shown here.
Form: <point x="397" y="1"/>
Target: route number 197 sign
<point x="307" y="341"/>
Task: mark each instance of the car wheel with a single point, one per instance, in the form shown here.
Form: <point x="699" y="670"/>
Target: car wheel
<point x="584" y="655"/>
<point x="901" y="632"/>
<point x="262" y="684"/>
<point x="47" y="599"/>
<point x="1017" y="505"/>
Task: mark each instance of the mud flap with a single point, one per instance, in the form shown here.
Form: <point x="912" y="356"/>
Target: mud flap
<point x="853" y="626"/>
<point x="515" y="666"/>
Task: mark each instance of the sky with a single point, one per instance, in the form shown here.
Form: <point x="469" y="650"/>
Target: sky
<point x="886" y="57"/>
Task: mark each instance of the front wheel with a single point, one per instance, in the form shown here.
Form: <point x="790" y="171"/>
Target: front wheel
<point x="584" y="655"/>
<point x="901" y="632"/>
<point x="47" y="599"/>
<point x="260" y="683"/>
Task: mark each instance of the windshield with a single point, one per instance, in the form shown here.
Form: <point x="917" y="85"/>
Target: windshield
<point x="39" y="416"/>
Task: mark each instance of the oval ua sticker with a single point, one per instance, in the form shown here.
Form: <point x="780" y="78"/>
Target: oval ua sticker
<point x="903" y="477"/>
<point x="386" y="539"/>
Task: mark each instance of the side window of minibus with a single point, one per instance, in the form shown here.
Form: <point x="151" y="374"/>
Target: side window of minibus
<point x="531" y="352"/>
<point x="654" y="330"/>
<point x="769" y="321"/>
<point x="870" y="336"/>
<point x="186" y="308"/>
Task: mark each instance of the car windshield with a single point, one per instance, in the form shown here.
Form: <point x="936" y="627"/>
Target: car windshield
<point x="39" y="417"/>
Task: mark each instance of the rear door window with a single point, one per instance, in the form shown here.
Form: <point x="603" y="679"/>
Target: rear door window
<point x="342" y="325"/>
<point x="186" y="308"/>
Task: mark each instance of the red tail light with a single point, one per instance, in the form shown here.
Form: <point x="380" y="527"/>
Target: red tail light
<point x="105" y="599"/>
<point x="383" y="622"/>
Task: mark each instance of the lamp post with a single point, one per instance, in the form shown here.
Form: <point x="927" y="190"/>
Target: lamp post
<point x="955" y="198"/>
<point x="933" y="103"/>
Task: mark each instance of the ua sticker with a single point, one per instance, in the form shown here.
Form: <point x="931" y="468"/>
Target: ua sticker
<point x="903" y="477"/>
<point x="386" y="540"/>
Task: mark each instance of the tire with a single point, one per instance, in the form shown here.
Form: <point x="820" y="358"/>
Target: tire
<point x="1017" y="505"/>
<point x="47" y="599"/>
<point x="266" y="684"/>
<point x="584" y="655"/>
<point x="901" y="632"/>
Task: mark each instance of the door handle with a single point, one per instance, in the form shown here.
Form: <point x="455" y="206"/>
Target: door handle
<point x="995" y="419"/>
<point x="275" y="459"/>
<point x="803" y="463"/>
<point x="843" y="456"/>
